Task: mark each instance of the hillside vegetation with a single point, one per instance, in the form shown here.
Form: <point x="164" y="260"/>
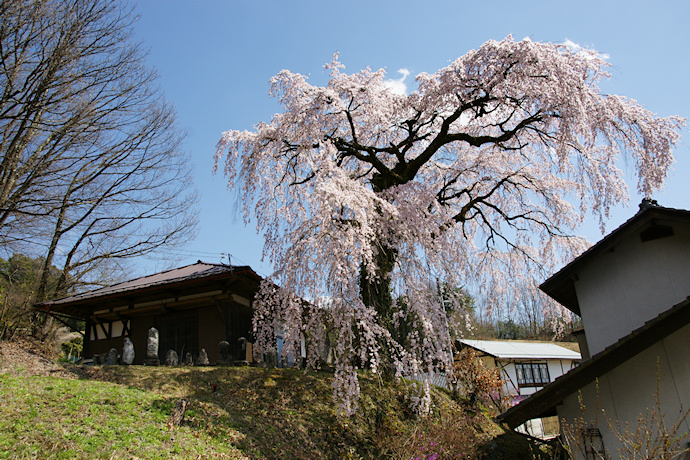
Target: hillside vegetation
<point x="233" y="412"/>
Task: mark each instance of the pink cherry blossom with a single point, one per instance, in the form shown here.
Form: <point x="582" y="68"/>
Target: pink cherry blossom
<point x="479" y="177"/>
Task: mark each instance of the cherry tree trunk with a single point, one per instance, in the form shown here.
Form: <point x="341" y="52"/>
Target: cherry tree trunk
<point x="377" y="293"/>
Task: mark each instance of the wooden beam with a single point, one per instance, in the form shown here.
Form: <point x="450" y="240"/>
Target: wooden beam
<point x="125" y="325"/>
<point x="105" y="331"/>
<point x="87" y="337"/>
<point x="55" y="316"/>
<point x="220" y="306"/>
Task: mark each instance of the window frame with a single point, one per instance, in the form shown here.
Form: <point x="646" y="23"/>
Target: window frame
<point x="532" y="374"/>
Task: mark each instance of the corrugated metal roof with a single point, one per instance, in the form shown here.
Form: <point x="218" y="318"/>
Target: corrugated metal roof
<point x="545" y="400"/>
<point x="188" y="272"/>
<point x="521" y="350"/>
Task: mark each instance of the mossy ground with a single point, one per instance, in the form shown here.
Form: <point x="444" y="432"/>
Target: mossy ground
<point x="234" y="412"/>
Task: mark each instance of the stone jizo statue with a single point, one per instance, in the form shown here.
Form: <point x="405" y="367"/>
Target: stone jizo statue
<point x="127" y="352"/>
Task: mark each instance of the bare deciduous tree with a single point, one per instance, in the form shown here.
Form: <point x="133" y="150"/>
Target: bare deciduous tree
<point x="91" y="167"/>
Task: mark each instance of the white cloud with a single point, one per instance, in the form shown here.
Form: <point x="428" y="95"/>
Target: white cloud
<point x="575" y="48"/>
<point x="398" y="86"/>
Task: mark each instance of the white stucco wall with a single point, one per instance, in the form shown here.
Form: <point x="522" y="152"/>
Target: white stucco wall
<point x="535" y="427"/>
<point x="622" y="289"/>
<point x="629" y="390"/>
<point x="557" y="367"/>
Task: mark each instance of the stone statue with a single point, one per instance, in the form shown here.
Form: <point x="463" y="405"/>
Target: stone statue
<point x="202" y="359"/>
<point x="171" y="358"/>
<point x="111" y="358"/>
<point x="224" y="351"/>
<point x="127" y="351"/>
<point x="152" y="348"/>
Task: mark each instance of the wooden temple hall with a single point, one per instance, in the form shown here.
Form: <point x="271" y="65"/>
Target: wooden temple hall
<point x="193" y="307"/>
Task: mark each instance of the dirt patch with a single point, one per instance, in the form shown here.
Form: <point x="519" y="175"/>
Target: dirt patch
<point x="26" y="357"/>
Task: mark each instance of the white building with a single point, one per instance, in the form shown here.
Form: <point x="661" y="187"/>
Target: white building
<point x="525" y="367"/>
<point x="631" y="290"/>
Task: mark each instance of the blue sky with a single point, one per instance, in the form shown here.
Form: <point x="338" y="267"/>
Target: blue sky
<point x="215" y="59"/>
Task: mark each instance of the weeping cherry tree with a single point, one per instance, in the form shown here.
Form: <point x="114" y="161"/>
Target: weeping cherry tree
<point x="369" y="198"/>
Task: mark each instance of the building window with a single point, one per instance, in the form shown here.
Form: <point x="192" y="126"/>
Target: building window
<point x="532" y="374"/>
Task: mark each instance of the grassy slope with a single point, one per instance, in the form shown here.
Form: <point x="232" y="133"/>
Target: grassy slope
<point x="51" y="417"/>
<point x="122" y="412"/>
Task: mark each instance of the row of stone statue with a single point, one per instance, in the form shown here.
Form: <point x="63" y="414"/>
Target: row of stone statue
<point x="171" y="357"/>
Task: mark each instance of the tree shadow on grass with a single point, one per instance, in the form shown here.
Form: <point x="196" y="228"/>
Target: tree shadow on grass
<point x="511" y="445"/>
<point x="291" y="413"/>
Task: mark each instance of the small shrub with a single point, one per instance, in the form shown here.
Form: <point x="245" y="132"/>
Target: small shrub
<point x="475" y="382"/>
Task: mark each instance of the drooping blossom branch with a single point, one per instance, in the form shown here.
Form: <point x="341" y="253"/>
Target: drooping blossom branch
<point x="370" y="199"/>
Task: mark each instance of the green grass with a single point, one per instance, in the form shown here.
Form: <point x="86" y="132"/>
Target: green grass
<point x="48" y="417"/>
<point x="122" y="412"/>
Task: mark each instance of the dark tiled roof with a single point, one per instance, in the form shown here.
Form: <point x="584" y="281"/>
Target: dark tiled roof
<point x="197" y="271"/>
<point x="544" y="401"/>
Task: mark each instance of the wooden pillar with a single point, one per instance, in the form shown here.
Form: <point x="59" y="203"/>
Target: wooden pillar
<point x="87" y="336"/>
